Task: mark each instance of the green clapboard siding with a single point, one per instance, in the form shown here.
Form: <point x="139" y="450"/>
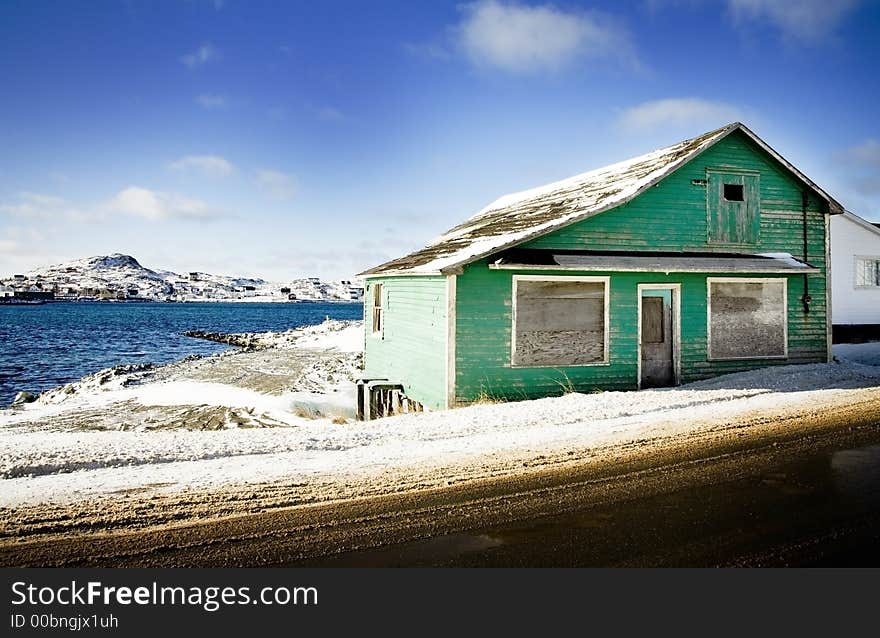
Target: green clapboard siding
<point x="672" y="216"/>
<point x="412" y="350"/>
<point x="675" y="215"/>
<point x="484" y="325"/>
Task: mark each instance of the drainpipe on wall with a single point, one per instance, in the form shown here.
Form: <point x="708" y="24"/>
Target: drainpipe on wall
<point x="806" y="299"/>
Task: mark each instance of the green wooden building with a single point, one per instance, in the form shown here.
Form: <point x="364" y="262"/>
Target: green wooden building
<point x="703" y="258"/>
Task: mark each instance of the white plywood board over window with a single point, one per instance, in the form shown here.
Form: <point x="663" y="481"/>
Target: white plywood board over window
<point x="559" y="321"/>
<point x="747" y="318"/>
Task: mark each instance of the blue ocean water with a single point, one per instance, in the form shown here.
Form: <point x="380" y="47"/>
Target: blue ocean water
<point x="44" y="346"/>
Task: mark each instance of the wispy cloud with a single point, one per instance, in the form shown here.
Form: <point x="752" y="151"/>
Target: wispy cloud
<point x="427" y="50"/>
<point x="521" y="38"/>
<point x="201" y="56"/>
<point x="689" y="112"/>
<point x="276" y="183"/>
<point x="867" y="153"/>
<point x="805" y="21"/>
<point x="31" y="205"/>
<point x="329" y="114"/>
<point x="206" y="165"/>
<point x="212" y="101"/>
<point x="862" y="164"/>
<point x="158" y="206"/>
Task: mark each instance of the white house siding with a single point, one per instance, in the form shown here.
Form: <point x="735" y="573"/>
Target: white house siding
<point x="852" y="237"/>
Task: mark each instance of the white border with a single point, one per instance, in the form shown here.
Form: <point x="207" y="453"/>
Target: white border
<point x="675" y="289"/>
<point x="710" y="281"/>
<point x="606" y="332"/>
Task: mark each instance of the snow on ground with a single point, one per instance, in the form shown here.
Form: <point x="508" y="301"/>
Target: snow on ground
<point x="47" y="465"/>
<point x="865" y="353"/>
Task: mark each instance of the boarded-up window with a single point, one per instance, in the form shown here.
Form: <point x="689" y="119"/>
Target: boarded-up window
<point x="747" y="319"/>
<point x="377" y="308"/>
<point x="868" y="272"/>
<point x="559" y="323"/>
<point x="734" y="203"/>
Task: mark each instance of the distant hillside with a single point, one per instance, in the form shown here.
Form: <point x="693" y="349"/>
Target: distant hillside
<point x="120" y="276"/>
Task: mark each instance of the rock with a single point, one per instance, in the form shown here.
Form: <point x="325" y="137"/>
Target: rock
<point x="23" y="397"/>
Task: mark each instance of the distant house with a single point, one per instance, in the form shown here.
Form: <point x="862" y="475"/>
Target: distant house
<point x="285" y="290"/>
<point x="855" y="277"/>
<point x="6" y="291"/>
<point x="193" y="276"/>
<point x="699" y="259"/>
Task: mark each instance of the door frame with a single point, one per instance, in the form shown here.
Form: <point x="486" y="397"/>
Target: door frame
<point x="675" y="289"/>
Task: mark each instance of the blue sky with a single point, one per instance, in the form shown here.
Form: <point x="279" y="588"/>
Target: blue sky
<point x="298" y="139"/>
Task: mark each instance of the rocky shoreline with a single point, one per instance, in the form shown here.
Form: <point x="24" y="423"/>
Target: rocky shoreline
<point x="248" y="341"/>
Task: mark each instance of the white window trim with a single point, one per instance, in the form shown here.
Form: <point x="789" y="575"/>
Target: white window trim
<point x="606" y="332"/>
<point x="377" y="334"/>
<point x="712" y="280"/>
<point x="856" y="259"/>
<point x="676" y="333"/>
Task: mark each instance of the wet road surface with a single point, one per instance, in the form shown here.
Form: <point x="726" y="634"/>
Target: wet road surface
<point x="820" y="507"/>
<point x="808" y="498"/>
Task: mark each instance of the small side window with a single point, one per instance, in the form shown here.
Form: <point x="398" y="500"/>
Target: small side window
<point x="377" y="308"/>
<point x="734" y="192"/>
<point x="868" y="272"/>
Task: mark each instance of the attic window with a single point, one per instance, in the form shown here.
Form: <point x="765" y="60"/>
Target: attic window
<point x="734" y="193"/>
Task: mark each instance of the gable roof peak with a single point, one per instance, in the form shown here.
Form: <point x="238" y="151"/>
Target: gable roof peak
<point x="518" y="217"/>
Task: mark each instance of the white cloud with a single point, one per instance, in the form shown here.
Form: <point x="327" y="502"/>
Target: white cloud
<point x="520" y="38"/>
<point x="803" y="20"/>
<point x="688" y="112"/>
<point x="211" y="101"/>
<point x="157" y="206"/>
<point x="201" y="56"/>
<point x="281" y="185"/>
<point x="207" y="165"/>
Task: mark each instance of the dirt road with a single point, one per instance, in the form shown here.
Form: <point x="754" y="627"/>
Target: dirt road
<point x="804" y="489"/>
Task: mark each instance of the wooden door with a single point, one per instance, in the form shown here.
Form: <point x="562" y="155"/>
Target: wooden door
<point x="658" y="368"/>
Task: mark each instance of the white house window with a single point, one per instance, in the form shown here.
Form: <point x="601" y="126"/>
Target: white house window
<point x="868" y="272"/>
<point x="747" y="318"/>
<point x="377" y="308"/>
<point x="559" y="321"/>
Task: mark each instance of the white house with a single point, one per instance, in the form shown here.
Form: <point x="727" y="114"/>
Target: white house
<point x="855" y="271"/>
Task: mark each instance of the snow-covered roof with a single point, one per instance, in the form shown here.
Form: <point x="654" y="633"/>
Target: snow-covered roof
<point x="519" y="217"/>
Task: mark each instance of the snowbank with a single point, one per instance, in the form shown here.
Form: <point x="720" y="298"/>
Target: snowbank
<point x="65" y="466"/>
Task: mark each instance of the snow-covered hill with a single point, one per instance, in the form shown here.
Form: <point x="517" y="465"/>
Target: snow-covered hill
<point x="120" y="276"/>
